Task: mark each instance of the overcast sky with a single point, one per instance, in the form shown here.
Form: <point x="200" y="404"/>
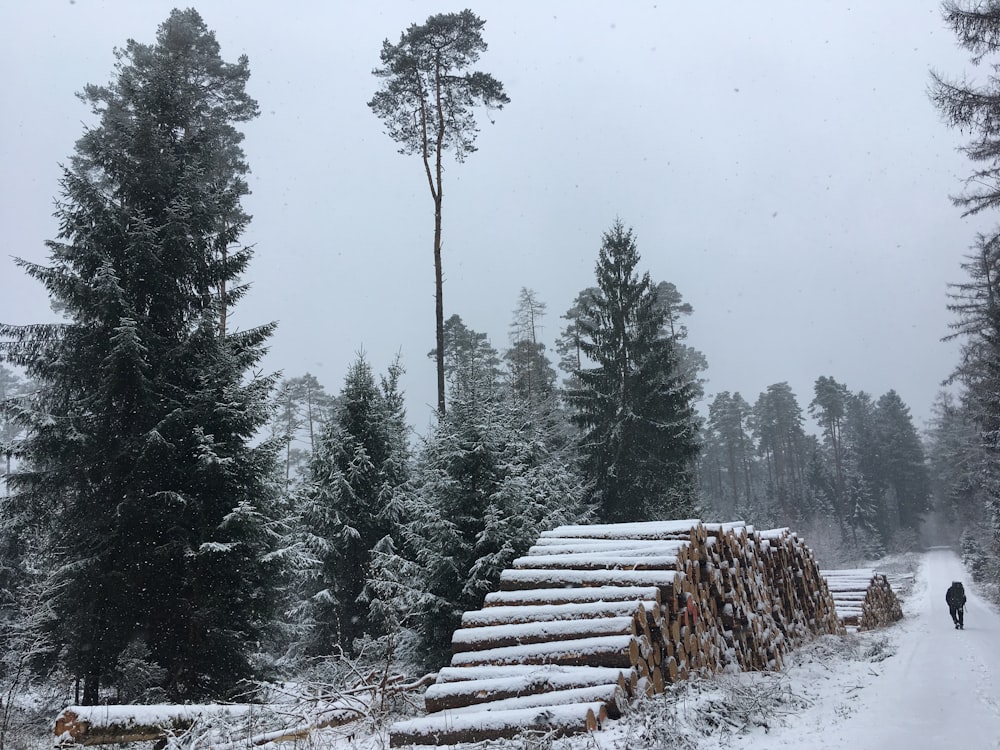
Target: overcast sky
<point x="779" y="162"/>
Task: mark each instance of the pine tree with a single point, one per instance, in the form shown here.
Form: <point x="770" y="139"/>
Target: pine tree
<point x="427" y="102"/>
<point x="829" y="407"/>
<point x="139" y="459"/>
<point x="469" y="357"/>
<point x="350" y="503"/>
<point x="777" y="429"/>
<point x="301" y="407"/>
<point x="569" y="343"/>
<point x="635" y="410"/>
<point x="691" y="363"/>
<point x="727" y="460"/>
<point x="529" y="371"/>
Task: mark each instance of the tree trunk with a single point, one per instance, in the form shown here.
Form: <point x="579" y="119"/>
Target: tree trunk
<point x="91" y="685"/>
<point x="223" y="294"/>
<point x="439" y="297"/>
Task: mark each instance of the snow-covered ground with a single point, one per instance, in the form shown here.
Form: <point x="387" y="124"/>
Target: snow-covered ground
<point x="918" y="685"/>
<point x="937" y="687"/>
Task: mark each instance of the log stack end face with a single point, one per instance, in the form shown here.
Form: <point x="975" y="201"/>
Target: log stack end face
<point x="864" y="598"/>
<point x="69" y="729"/>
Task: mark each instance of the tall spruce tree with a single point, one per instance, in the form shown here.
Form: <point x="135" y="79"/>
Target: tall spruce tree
<point x="350" y="502"/>
<point x="139" y="458"/>
<point x="862" y="458"/>
<point x="958" y="462"/>
<point x="633" y="405"/>
<point x="973" y="106"/>
<point x="976" y="306"/>
<point x="903" y="465"/>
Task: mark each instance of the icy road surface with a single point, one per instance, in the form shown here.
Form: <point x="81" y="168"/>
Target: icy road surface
<point x="939" y="691"/>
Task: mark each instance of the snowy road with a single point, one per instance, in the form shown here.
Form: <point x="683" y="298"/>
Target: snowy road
<point x="940" y="690"/>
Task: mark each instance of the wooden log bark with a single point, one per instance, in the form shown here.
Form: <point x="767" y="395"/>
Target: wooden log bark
<point x="517" y="580"/>
<point x="585" y="561"/>
<point x="517" y="615"/>
<point x="612" y="697"/>
<point x="611" y="651"/>
<point x="452" y="695"/>
<point x="565" y="595"/>
<point x="106" y="725"/>
<point x="481" y="639"/>
<point x="446" y="728"/>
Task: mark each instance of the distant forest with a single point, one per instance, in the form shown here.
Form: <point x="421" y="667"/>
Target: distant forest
<point x="175" y="525"/>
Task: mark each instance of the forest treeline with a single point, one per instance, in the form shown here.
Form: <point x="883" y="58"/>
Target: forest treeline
<point x="176" y="525"/>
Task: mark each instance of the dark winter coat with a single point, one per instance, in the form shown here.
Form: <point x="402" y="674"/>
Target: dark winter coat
<point x="955" y="596"/>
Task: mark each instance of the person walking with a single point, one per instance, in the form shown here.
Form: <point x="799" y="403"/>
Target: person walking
<point x="956" y="604"/>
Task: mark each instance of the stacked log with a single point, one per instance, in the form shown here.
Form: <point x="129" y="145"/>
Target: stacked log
<point x="593" y="616"/>
<point x="864" y="598"/>
<point x="802" y="602"/>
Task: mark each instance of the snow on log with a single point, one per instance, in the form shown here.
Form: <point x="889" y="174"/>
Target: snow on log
<point x="121" y="724"/>
<point x="602" y="561"/>
<point x="563" y="595"/>
<point x="587" y="675"/>
<point x="657" y="530"/>
<point x="448" y="728"/>
<point x="514" y="615"/>
<point x="607" y="651"/>
<point x="458" y="694"/>
<point x="480" y="639"/>
<point x="605" y="547"/>
<point x="518" y="580"/>
<point x="612" y="697"/>
<point x="105" y="725"/>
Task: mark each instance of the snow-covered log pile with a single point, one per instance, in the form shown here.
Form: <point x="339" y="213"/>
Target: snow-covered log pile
<point x="593" y="616"/>
<point x="864" y="598"/>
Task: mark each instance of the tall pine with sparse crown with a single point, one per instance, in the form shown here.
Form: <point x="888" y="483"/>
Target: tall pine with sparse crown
<point x="140" y="463"/>
<point x="633" y="406"/>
